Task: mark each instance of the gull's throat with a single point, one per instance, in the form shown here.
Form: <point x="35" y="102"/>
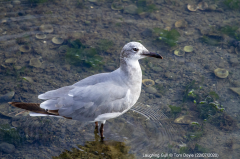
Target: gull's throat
<point x="131" y="70"/>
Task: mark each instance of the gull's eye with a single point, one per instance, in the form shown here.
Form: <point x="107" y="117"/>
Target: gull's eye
<point x="135" y="49"/>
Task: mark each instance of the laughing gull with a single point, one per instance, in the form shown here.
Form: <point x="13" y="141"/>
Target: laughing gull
<point x="99" y="97"/>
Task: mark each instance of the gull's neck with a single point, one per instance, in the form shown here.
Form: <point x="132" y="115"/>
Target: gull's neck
<point x="131" y="70"/>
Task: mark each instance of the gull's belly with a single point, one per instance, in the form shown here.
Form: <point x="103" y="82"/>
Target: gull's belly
<point x="106" y="116"/>
<point x="130" y="99"/>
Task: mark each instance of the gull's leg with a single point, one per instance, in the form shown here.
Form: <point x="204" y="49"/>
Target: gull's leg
<point x="101" y="131"/>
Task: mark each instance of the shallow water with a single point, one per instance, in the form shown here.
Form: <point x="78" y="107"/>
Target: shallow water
<point x="99" y="30"/>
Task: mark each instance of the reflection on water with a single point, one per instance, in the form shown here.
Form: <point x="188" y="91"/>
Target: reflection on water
<point x="98" y="149"/>
<point x="47" y="44"/>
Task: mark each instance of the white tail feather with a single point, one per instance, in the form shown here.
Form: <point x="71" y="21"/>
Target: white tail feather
<point x="38" y="114"/>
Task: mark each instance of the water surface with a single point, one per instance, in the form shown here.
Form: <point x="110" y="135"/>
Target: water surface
<point x="90" y="36"/>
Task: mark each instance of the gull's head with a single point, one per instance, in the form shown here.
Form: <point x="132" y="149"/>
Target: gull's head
<point x="136" y="51"/>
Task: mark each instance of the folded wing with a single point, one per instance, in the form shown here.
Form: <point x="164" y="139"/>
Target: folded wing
<point x="87" y="102"/>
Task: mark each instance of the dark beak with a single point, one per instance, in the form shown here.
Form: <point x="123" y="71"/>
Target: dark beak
<point x="152" y="54"/>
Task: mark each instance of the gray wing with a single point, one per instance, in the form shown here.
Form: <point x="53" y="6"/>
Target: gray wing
<point x="90" y="97"/>
<point x="63" y="91"/>
<point x="94" y="100"/>
<point x="87" y="102"/>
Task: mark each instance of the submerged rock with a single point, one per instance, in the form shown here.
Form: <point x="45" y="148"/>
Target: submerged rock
<point x="24" y="48"/>
<point x="147" y="33"/>
<point x="212" y="7"/>
<point x="7" y="97"/>
<point x="131" y="9"/>
<point x="148" y="82"/>
<point x="40" y="36"/>
<point x="17" y="67"/>
<point x="170" y="75"/>
<point x="16" y="2"/>
<point x="188" y="48"/>
<point x="234" y="61"/>
<point x="35" y="62"/>
<point x="181" y="23"/>
<point x="151" y="90"/>
<point x="236" y="83"/>
<point x="157" y="69"/>
<point x="57" y="40"/>
<point x="221" y="73"/>
<point x="179" y="52"/>
<point x="185" y="119"/>
<point x="236" y="90"/>
<point x="16" y="124"/>
<point x="7" y="148"/>
<point x="11" y="60"/>
<point x="46" y="28"/>
<point x="117" y="6"/>
<point x="29" y="79"/>
<point x="192" y="7"/>
<point x="202" y="6"/>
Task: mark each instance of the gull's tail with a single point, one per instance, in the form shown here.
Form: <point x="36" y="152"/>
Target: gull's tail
<point x="35" y="109"/>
